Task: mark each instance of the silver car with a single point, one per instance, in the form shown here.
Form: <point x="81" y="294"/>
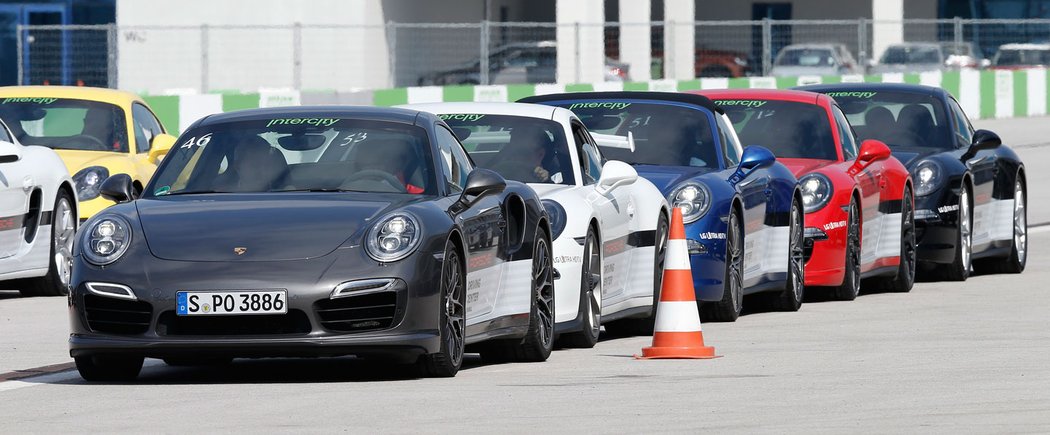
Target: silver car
<point x="911" y="57"/>
<point x="814" y="59"/>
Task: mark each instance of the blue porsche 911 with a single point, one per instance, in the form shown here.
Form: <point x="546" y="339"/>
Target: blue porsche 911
<point x="742" y="209"/>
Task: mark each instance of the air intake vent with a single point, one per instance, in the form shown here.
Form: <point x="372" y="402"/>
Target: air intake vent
<point x="116" y="316"/>
<point x="295" y="322"/>
<point x="367" y="312"/>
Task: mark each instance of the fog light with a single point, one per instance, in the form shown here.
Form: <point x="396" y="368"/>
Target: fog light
<point x="695" y="247"/>
<point x="815" y="234"/>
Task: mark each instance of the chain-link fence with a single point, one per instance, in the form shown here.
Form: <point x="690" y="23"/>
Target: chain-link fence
<point x="169" y="59"/>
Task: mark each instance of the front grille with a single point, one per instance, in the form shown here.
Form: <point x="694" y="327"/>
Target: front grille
<point x="367" y="312"/>
<point x="117" y="316"/>
<point x="295" y="322"/>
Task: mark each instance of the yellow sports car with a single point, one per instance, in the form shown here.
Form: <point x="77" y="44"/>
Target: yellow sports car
<point x="97" y="132"/>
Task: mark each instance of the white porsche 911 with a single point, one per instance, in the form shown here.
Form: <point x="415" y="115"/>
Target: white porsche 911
<point x="610" y="226"/>
<point x="38" y="218"/>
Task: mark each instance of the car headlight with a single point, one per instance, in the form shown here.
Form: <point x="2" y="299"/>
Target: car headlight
<point x="816" y="191"/>
<point x="88" y="181"/>
<point x="556" y="213"/>
<point x="693" y="198"/>
<point x="107" y="240"/>
<point x="394" y="237"/>
<point x="928" y="175"/>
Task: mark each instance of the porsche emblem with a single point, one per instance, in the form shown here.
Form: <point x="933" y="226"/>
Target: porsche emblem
<point x="240" y="250"/>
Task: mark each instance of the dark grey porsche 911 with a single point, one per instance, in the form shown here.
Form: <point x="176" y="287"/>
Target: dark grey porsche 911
<point x="313" y="232"/>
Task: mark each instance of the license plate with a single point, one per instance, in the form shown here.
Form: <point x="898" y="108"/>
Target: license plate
<point x="235" y="302"/>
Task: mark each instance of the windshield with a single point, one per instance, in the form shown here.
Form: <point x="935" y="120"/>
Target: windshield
<point x="805" y="57"/>
<point x="1022" y="57"/>
<point x="900" y="119"/>
<point x="529" y="150"/>
<point x="911" y="54"/>
<point x="67" y="124"/>
<point x="298" y="154"/>
<point x="788" y="129"/>
<point x="664" y="134"/>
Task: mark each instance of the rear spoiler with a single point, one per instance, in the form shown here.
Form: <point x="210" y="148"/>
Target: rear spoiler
<point x="614" y="141"/>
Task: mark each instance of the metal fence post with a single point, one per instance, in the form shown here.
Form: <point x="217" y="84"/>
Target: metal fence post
<point x="20" y="50"/>
<point x="391" y="42"/>
<point x="204" y="58"/>
<point x="483" y="66"/>
<point x="958" y="30"/>
<point x="111" y="49"/>
<point x="862" y="42"/>
<point x="670" y="58"/>
<point x="767" y="46"/>
<point x="297" y="56"/>
<point x="576" y="41"/>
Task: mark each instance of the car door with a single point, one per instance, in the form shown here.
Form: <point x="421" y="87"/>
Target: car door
<point x="982" y="168"/>
<point x="483" y="223"/>
<point x="755" y="193"/>
<point x="615" y="209"/>
<point x="15" y="185"/>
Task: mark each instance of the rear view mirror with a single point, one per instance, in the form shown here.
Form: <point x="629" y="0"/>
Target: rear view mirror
<point x="753" y="159"/>
<point x="481" y="182"/>
<point x="461" y="133"/>
<point x="302" y="142"/>
<point x="871" y="151"/>
<point x="159" y="146"/>
<point x="118" y="188"/>
<point x="985" y="140"/>
<point x="615" y="174"/>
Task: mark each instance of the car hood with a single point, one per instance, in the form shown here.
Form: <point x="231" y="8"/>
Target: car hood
<point x="800" y="167"/>
<point x="667" y="178"/>
<point x="76" y="160"/>
<point x="270" y="227"/>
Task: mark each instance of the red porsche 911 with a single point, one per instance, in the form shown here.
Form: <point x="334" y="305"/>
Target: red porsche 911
<point x="858" y="198"/>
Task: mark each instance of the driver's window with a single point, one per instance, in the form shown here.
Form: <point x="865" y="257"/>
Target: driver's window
<point x="588" y="162"/>
<point x="846" y="134"/>
<point x="146" y="127"/>
<point x="454" y="161"/>
<point x="5" y="136"/>
<point x="963" y="129"/>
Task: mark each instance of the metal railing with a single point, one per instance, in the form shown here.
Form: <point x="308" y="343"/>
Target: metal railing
<point x="177" y="59"/>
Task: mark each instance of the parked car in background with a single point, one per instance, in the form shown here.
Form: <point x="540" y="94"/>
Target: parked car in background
<point x="524" y="62"/>
<point x="963" y="55"/>
<point x="1019" y="56"/>
<point x="910" y="57"/>
<point x="815" y="59"/>
<point x="38" y="218"/>
<point x="97" y="132"/>
<point x="720" y="63"/>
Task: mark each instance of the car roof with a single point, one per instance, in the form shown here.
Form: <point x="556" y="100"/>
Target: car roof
<point x="827" y="45"/>
<point x="764" y="94"/>
<point x="514" y="109"/>
<point x="697" y="100"/>
<point x="111" y="96"/>
<point x="876" y="87"/>
<point x="388" y="114"/>
<point x="1025" y="46"/>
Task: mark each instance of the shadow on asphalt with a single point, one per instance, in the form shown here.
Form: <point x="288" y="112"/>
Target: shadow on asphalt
<point x="9" y="294"/>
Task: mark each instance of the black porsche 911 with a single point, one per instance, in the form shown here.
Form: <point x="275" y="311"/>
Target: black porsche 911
<point x="313" y="232"/>
<point x="970" y="190"/>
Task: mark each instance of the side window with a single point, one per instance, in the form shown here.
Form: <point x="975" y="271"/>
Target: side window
<point x="146" y="126"/>
<point x="849" y="138"/>
<point x="455" y="165"/>
<point x="590" y="161"/>
<point x="4" y="134"/>
<point x="731" y="148"/>
<point x="963" y="129"/>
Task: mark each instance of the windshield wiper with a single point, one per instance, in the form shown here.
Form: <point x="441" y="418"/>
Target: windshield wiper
<point x="318" y="190"/>
<point x="191" y="192"/>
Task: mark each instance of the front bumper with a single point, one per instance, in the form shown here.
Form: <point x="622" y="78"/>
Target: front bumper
<point x="401" y="321"/>
<point x="706" y="239"/>
<point x="826" y="234"/>
<point x="937" y="227"/>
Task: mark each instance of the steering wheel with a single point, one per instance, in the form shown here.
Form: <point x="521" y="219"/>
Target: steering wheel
<point x="903" y="137"/>
<point x="93" y="140"/>
<point x="378" y="175"/>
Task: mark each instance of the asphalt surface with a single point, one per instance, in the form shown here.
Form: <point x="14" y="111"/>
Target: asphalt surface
<point x="946" y="358"/>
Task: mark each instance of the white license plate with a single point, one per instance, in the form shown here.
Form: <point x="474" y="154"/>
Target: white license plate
<point x="235" y="302"/>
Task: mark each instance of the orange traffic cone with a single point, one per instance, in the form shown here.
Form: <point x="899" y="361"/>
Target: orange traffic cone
<point x="677" y="333"/>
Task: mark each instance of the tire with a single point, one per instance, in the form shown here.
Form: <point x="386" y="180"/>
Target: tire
<point x="452" y="318"/>
<point x="850" y="288"/>
<point x="538" y="342"/>
<point x="644" y="325"/>
<point x="1018" y="258"/>
<point x="109" y="368"/>
<point x="728" y="309"/>
<point x="590" y="296"/>
<point x="63" y="231"/>
<point x="959" y="269"/>
<point x="791" y="298"/>
<point x="905" y="278"/>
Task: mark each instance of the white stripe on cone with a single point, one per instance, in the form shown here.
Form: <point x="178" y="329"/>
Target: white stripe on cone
<point x="677" y="316"/>
<point x="677" y="255"/>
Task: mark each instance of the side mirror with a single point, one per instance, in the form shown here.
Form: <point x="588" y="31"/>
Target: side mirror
<point x="754" y="158"/>
<point x="481" y="182"/>
<point x="159" y="146"/>
<point x="118" y="188"/>
<point x="9" y="152"/>
<point x="985" y="140"/>
<point x="871" y="150"/>
<point x="615" y="174"/>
